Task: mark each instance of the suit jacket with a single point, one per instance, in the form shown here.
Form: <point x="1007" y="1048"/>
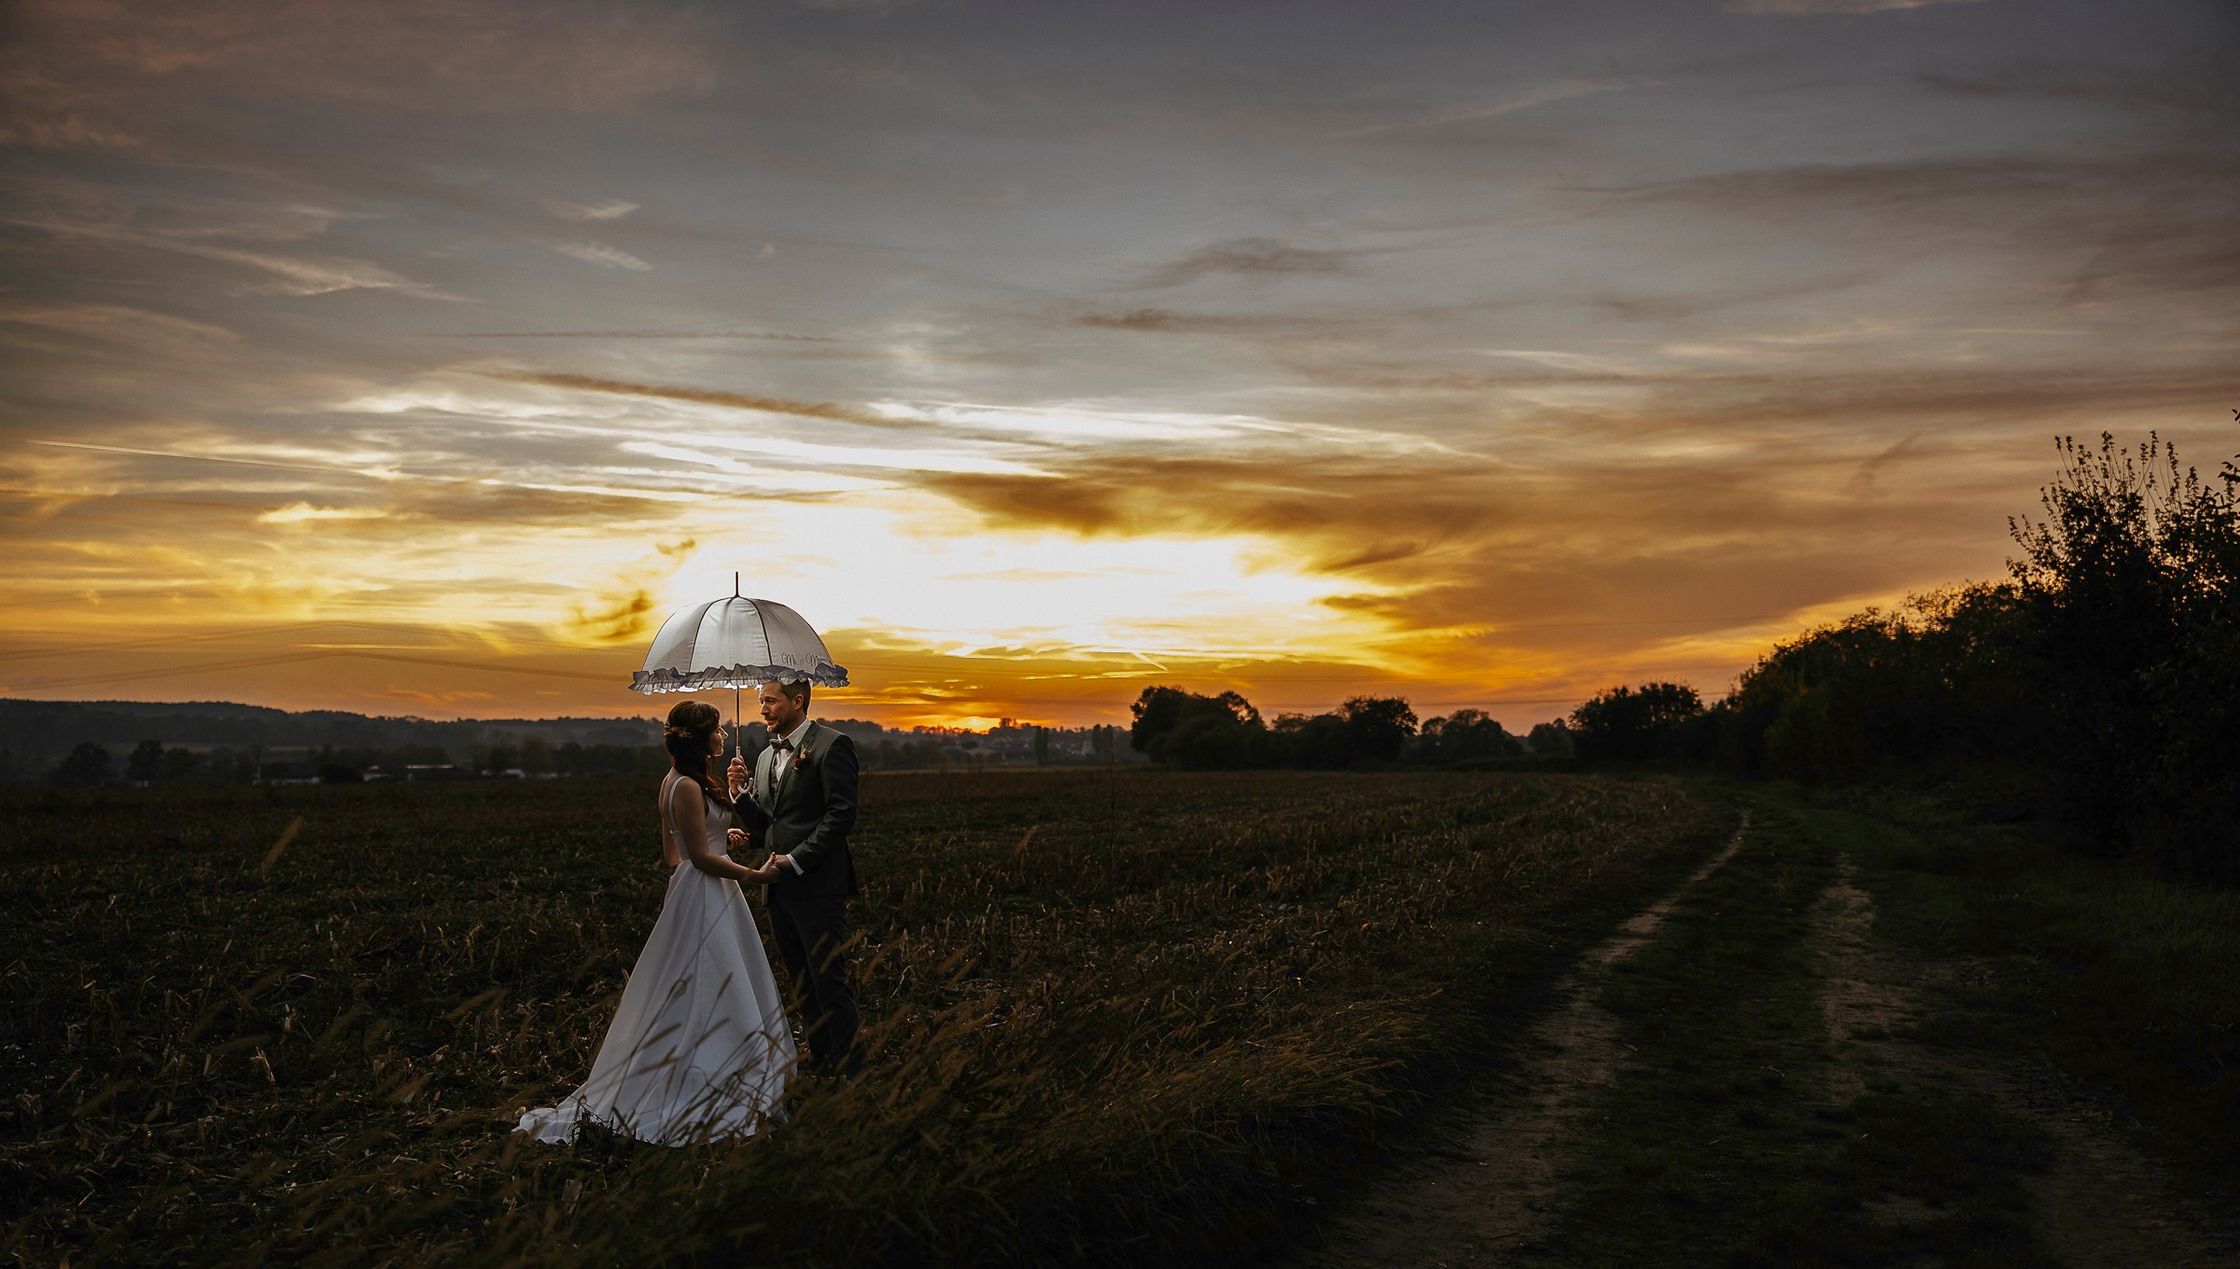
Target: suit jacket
<point x="807" y="815"/>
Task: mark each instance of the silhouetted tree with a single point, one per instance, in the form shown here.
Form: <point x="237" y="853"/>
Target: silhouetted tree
<point x="1314" y="742"/>
<point x="1185" y="729"/>
<point x="181" y="765"/>
<point x="1158" y="710"/>
<point x="144" y="765"/>
<point x="1941" y="683"/>
<point x="2197" y="692"/>
<point x="536" y="755"/>
<point x="1380" y="725"/>
<point x="1462" y="735"/>
<point x="2109" y="668"/>
<point x="2131" y="574"/>
<point x="86" y="765"/>
<point x="1652" y="721"/>
<point x="2097" y="575"/>
<point x="1551" y="738"/>
<point x="1212" y="742"/>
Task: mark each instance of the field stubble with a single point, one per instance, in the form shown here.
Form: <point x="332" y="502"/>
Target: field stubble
<point x="1112" y="1016"/>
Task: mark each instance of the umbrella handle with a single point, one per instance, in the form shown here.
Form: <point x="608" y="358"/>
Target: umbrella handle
<point x="736" y="751"/>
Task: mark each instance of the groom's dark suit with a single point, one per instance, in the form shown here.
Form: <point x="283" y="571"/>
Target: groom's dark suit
<point x="805" y="814"/>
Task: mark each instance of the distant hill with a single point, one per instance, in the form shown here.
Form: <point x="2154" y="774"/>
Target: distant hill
<point x="35" y="736"/>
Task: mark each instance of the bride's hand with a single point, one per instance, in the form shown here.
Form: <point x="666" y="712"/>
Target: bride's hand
<point x="736" y="837"/>
<point x="768" y="872"/>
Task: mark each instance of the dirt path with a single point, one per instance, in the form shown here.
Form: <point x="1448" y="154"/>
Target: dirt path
<point x="2100" y="1202"/>
<point x="1493" y="1189"/>
<point x="1491" y="1196"/>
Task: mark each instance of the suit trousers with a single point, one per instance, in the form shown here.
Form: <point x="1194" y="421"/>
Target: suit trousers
<point x="811" y="932"/>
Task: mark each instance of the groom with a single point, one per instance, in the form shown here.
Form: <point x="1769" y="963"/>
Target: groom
<point x="802" y="805"/>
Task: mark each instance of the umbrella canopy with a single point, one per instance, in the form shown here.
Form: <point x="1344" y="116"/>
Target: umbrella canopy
<point x="735" y="642"/>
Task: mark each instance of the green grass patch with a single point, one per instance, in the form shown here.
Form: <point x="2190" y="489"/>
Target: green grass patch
<point x="1718" y="1144"/>
<point x="2121" y="979"/>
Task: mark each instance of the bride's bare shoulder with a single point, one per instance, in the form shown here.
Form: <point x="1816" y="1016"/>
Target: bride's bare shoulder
<point x="671" y="782"/>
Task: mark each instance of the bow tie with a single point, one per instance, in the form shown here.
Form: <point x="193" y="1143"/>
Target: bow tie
<point x="776" y="743"/>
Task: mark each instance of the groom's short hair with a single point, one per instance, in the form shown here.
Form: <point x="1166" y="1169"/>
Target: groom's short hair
<point x="798" y="690"/>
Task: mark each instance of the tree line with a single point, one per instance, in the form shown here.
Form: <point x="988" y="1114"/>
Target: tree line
<point x="152" y="762"/>
<point x="1184" y="729"/>
<point x="2099" y="683"/>
<point x="89" y="764"/>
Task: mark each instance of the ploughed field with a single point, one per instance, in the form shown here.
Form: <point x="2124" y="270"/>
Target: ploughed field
<point x="1112" y="1016"/>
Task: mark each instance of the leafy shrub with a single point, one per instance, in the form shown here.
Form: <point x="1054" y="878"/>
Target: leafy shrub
<point x="1655" y="720"/>
<point x="2133" y="574"/>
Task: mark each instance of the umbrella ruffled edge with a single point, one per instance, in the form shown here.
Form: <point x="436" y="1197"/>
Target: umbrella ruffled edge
<point x="650" y="682"/>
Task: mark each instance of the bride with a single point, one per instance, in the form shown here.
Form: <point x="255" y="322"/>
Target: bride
<point x="699" y="1047"/>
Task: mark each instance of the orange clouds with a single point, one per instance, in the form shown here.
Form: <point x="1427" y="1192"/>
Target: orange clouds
<point x="616" y="618"/>
<point x="507" y="330"/>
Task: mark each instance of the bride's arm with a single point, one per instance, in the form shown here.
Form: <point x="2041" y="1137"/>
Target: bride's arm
<point x="688" y="810"/>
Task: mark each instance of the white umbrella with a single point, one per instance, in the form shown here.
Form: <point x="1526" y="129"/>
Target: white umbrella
<point x="735" y="642"/>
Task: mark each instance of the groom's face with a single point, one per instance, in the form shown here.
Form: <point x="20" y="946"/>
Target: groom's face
<point x="780" y="713"/>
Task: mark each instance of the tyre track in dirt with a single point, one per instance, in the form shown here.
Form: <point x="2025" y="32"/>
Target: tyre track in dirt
<point x="1494" y="1189"/>
<point x="2100" y="1202"/>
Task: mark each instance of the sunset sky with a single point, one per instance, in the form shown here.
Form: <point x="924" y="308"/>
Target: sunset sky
<point x="420" y="357"/>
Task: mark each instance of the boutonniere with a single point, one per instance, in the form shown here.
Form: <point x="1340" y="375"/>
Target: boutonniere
<point x="804" y="760"/>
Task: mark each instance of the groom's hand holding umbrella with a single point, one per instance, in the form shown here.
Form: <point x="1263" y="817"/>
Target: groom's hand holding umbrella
<point x="741" y="783"/>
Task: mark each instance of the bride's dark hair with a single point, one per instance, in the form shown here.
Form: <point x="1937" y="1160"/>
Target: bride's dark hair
<point x="686" y="739"/>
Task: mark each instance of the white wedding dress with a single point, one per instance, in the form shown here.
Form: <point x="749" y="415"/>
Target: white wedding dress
<point x="699" y="1047"/>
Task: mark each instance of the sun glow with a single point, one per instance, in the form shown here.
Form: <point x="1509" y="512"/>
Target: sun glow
<point x="1025" y="416"/>
<point x="914" y="570"/>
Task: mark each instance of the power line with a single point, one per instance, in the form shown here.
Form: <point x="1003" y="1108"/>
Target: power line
<point x="34" y="654"/>
<point x="136" y="675"/>
<point x="140" y="592"/>
<point x="476" y="665"/>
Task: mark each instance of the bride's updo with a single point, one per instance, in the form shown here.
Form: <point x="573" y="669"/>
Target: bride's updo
<point x="686" y="738"/>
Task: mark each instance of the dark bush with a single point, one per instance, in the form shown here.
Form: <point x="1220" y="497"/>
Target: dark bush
<point x="1655" y="720"/>
<point x="1943" y="683"/>
<point x="1379" y="725"/>
<point x="1464" y="735"/>
<point x="2134" y="577"/>
<point x="1184" y="729"/>
<point x="1317" y="742"/>
<point x="87" y="764"/>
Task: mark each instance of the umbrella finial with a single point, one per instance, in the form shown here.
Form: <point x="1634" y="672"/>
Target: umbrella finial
<point x="734" y="585"/>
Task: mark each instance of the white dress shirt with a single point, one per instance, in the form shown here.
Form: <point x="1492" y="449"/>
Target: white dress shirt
<point x="782" y="761"/>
